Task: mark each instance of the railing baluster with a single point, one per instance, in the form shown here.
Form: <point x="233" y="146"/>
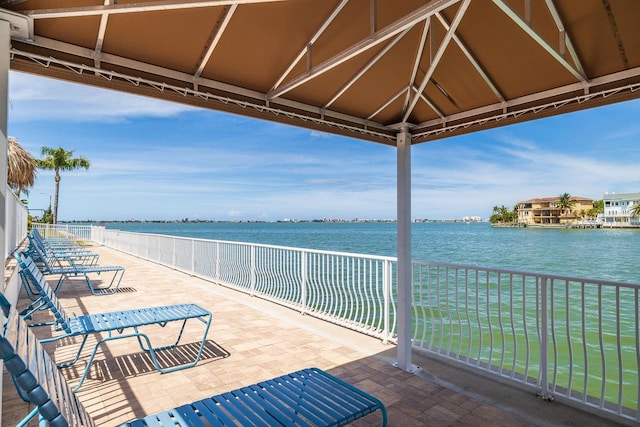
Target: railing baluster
<point x="501" y="325"/>
<point x="512" y="316"/>
<point x="619" y="348"/>
<point x="603" y="356"/>
<point x="552" y="328"/>
<point x="584" y="343"/>
<point x="303" y="282"/>
<point x="544" y="341"/>
<point x="386" y="293"/>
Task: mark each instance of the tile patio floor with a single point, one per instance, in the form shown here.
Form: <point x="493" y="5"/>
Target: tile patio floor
<point x="251" y="340"/>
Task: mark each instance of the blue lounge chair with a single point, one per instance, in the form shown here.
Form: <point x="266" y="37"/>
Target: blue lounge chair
<point x="116" y="324"/>
<point x="310" y="397"/>
<point x="55" y="241"/>
<point x="79" y="254"/>
<point x="50" y="264"/>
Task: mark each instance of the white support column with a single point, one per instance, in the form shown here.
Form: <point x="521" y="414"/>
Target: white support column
<point x="405" y="279"/>
<point x="5" y="43"/>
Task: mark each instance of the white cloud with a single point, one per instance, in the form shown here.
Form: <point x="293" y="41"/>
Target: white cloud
<point x="34" y="98"/>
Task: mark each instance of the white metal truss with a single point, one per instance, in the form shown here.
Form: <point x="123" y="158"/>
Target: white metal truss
<point x="151" y="6"/>
<point x="217" y="35"/>
<point x="436" y="60"/>
<point x="320" y="117"/>
<point x="578" y="74"/>
<point x="471" y="58"/>
<point x="456" y="122"/>
<point x="373" y="40"/>
<point x="364" y="69"/>
<point x="416" y="61"/>
<point x="101" y="32"/>
<point x="275" y="102"/>
<point x="307" y="48"/>
<point x="563" y="38"/>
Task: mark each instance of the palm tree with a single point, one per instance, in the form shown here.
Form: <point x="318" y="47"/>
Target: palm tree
<point x="514" y="213"/>
<point x="21" y="167"/>
<point x="635" y="209"/>
<point x="504" y="213"/>
<point x="565" y="204"/>
<point x="59" y="159"/>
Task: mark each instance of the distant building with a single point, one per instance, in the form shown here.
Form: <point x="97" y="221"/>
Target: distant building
<point x="617" y="208"/>
<point x="545" y="210"/>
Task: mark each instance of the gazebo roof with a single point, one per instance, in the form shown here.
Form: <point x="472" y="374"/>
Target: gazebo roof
<point x="362" y="68"/>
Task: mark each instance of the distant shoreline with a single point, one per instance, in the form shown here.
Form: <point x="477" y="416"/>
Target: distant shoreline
<point x="576" y="225"/>
<point x="258" y="221"/>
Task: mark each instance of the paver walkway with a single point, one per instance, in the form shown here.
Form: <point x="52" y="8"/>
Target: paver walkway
<point x="252" y="340"/>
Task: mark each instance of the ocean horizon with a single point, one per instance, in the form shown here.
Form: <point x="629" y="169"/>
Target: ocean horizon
<point x="606" y="254"/>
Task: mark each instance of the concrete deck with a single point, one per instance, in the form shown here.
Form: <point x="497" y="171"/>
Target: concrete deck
<point x="251" y="340"/>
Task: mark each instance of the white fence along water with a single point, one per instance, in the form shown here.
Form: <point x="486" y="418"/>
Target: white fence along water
<point x="569" y="338"/>
<point x="347" y="289"/>
<point x="16" y="219"/>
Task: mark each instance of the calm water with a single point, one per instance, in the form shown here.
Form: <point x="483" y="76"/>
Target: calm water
<point x="600" y="254"/>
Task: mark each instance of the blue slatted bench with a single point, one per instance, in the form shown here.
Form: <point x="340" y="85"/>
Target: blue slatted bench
<point x="77" y="253"/>
<point x="52" y="264"/>
<point x="310" y="397"/>
<point x="115" y="324"/>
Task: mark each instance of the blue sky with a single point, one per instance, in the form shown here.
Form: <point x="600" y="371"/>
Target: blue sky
<point x="158" y="160"/>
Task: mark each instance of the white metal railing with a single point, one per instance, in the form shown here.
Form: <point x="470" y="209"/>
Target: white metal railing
<point x="16" y="222"/>
<point x="570" y="338"/>
<point x="347" y="289"/>
<point x="574" y="338"/>
<point x="79" y="232"/>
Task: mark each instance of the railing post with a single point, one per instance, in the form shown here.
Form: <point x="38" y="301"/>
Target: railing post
<point x="544" y="342"/>
<point x="253" y="270"/>
<point x="173" y="255"/>
<point x="217" y="275"/>
<point x="303" y="284"/>
<point x="193" y="256"/>
<point x="386" y="295"/>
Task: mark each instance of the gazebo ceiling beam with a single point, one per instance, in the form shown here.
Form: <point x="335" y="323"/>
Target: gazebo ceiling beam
<point x="310" y="43"/>
<point x="428" y="101"/>
<point x="412" y="87"/>
<point x="388" y="102"/>
<point x="311" y="113"/>
<point x="368" y="66"/>
<point x="616" y="33"/>
<point x="373" y="40"/>
<point x="472" y="59"/>
<point x="438" y="56"/>
<point x="219" y="29"/>
<point x="536" y="98"/>
<point x="416" y="62"/>
<point x="145" y="67"/>
<point x="152" y="6"/>
<point x="539" y="40"/>
<point x="101" y="32"/>
<point x="515" y="114"/>
<point x="564" y="40"/>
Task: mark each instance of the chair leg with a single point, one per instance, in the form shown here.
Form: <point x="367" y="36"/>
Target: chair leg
<point x="106" y="290"/>
<point x="63" y="277"/>
<point x="36" y="305"/>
